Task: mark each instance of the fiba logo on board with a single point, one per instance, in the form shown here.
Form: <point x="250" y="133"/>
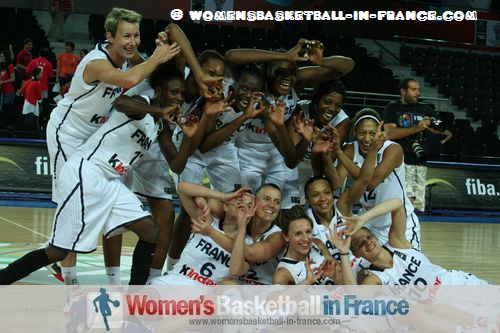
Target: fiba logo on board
<point x="42" y="166"/>
<point x="105" y="310"/>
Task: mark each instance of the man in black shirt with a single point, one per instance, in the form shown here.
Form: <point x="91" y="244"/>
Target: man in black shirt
<point x="407" y="122"/>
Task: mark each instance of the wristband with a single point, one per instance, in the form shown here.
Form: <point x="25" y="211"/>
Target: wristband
<point x="344" y="254"/>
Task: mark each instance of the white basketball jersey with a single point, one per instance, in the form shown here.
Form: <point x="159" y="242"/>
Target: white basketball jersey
<point x="320" y="232"/>
<point x="409" y="267"/>
<point x="340" y="117"/>
<point x="391" y="188"/>
<point x="254" y="133"/>
<point x="298" y="268"/>
<point x="261" y="273"/>
<point x="202" y="260"/>
<point x="85" y="107"/>
<point x="120" y="143"/>
<point x="222" y="120"/>
<point x="187" y="109"/>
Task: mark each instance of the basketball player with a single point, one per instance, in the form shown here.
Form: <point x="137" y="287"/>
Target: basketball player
<point x="276" y="162"/>
<point x="263" y="241"/>
<point x="95" y="200"/>
<point x="99" y="79"/>
<point x="151" y="178"/>
<point x="390" y="262"/>
<point x="204" y="262"/>
<point x="212" y="64"/>
<point x="325" y="108"/>
<point x="304" y="255"/>
<point x="389" y="177"/>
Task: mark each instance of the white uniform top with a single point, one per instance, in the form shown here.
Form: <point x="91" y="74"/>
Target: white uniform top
<point x="225" y="118"/>
<point x="120" y="143"/>
<point x="409" y="267"/>
<point x="211" y="156"/>
<point x="320" y="232"/>
<point x="202" y="261"/>
<point x="261" y="273"/>
<point x="86" y="106"/>
<point x="222" y="120"/>
<point x="298" y="268"/>
<point x="392" y="187"/>
<point x="340" y="117"/>
<point x="254" y="134"/>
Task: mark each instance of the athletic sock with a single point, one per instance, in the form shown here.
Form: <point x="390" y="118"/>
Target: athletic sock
<point x="24" y="266"/>
<point x="141" y="262"/>
<point x="154" y="272"/>
<point x="113" y="274"/>
<point x="70" y="275"/>
<point x="170" y="263"/>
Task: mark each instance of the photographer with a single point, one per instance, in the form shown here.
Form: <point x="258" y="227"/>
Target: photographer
<point x="408" y="122"/>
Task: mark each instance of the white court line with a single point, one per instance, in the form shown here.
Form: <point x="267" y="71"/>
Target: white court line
<point x="23" y="227"/>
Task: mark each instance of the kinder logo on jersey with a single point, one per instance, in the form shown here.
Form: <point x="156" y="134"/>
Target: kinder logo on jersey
<point x="118" y="165"/>
<point x="199" y="277"/>
<point x="104" y="310"/>
<point x="98" y="119"/>
<point x="256" y="129"/>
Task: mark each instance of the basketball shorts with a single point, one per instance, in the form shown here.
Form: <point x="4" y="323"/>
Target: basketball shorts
<point x="151" y="177"/>
<point x="91" y="205"/>
<point x="60" y="147"/>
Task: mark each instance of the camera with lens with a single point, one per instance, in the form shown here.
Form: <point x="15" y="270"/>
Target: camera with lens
<point x="417" y="147"/>
<point x="437" y="124"/>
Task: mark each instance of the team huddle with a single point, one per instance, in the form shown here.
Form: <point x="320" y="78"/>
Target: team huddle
<point x="237" y="118"/>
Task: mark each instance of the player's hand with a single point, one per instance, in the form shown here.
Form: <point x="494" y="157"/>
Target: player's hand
<point x="312" y="274"/>
<point x="255" y="105"/>
<point x="303" y="126"/>
<point x="215" y="106"/>
<point x="246" y="210"/>
<point x="316" y="52"/>
<point x="226" y="197"/>
<point x="339" y="238"/>
<point x="171" y="114"/>
<point x="162" y="38"/>
<point x="165" y="52"/>
<point x="351" y="224"/>
<point x="276" y="113"/>
<point x="201" y="225"/>
<point x="380" y="137"/>
<point x="203" y="206"/>
<point x="210" y="87"/>
<point x="330" y="269"/>
<point x="327" y="141"/>
<point x="300" y="52"/>
<point x="190" y="126"/>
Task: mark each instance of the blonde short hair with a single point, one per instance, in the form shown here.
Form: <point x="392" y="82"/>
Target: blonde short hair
<point x="120" y="14"/>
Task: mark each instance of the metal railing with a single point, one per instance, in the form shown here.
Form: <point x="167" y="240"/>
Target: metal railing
<point x="363" y="99"/>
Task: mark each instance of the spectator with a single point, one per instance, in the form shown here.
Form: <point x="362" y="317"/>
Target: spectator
<point x="7" y="78"/>
<point x="406" y="122"/>
<point x="32" y="93"/>
<point x="46" y="67"/>
<point x="60" y="10"/>
<point x="23" y="59"/>
<point x="83" y="53"/>
<point x="66" y="63"/>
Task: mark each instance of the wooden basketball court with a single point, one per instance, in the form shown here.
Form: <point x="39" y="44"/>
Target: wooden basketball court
<point x="471" y="247"/>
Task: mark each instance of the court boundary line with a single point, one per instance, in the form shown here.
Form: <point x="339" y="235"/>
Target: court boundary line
<point x="24" y="227"/>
